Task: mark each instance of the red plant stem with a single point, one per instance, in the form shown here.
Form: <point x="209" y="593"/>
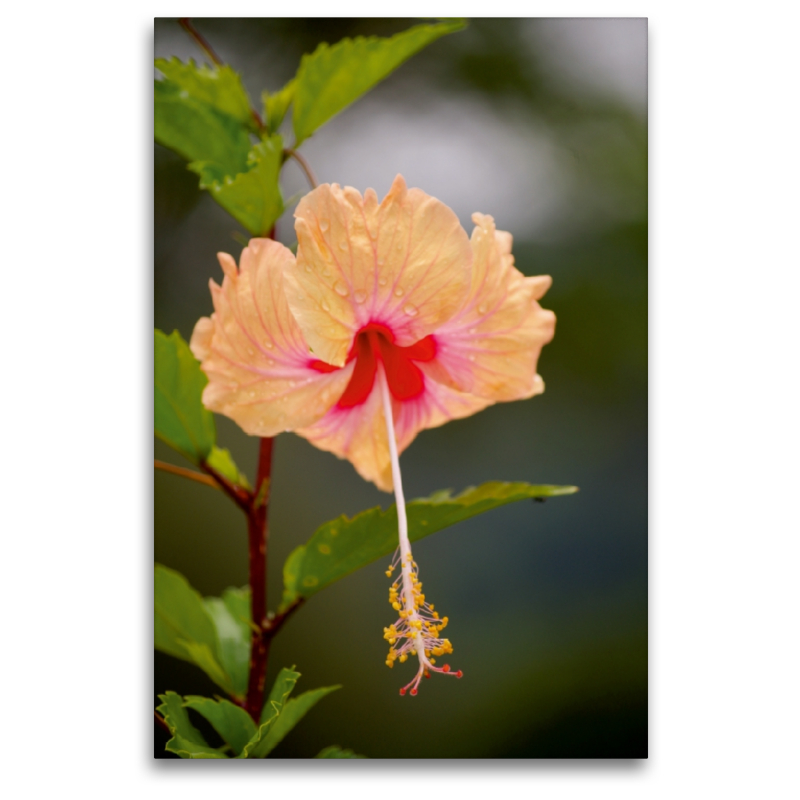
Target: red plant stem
<point x="200" y="39"/>
<point x="258" y="536"/>
<point x="162" y="722"/>
<point x="186" y="473"/>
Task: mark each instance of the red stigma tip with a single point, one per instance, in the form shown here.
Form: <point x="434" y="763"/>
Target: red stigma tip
<point x="402" y="691"/>
<point x="446" y="668"/>
<point x="459" y="674"/>
<point x="413" y="691"/>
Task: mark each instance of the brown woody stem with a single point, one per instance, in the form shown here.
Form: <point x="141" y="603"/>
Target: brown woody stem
<point x="186" y="473"/>
<point x="304" y="165"/>
<point x="200" y="39"/>
<point x="258" y="537"/>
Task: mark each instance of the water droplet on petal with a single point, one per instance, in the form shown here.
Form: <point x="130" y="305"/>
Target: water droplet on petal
<point x="326" y="273"/>
<point x="382" y="281"/>
<point x="399" y="291"/>
<point x="381" y="261"/>
<point x="270" y="362"/>
<point x="292" y="383"/>
<point x="343" y="245"/>
<point x="308" y="267"/>
<point x="410" y="310"/>
<point x="250" y="351"/>
<point x="325" y="306"/>
<point x="340" y="289"/>
<point x="473" y="331"/>
<point x="399" y="245"/>
<point x="360" y="295"/>
<point x="483" y="308"/>
<point x="268" y="344"/>
<point x="471" y="357"/>
<point x="323" y="225"/>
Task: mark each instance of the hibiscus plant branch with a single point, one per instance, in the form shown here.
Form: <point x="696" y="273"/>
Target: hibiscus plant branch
<point x="241" y="496"/>
<point x="257" y="540"/>
<point x="201" y="40"/>
<point x="265" y="625"/>
<point x="186" y="473"/>
<point x="275" y="621"/>
<point x="206" y="47"/>
<point x="304" y="165"/>
<point x="162" y="723"/>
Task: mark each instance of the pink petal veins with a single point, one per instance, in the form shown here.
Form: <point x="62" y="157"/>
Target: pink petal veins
<point x="254" y="353"/>
<point x="404" y="263"/>
<point x="491" y="346"/>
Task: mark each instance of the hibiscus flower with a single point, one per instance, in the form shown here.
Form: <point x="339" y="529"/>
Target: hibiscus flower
<point x="390" y="320"/>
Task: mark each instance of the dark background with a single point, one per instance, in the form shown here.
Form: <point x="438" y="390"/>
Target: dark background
<point x="541" y="123"/>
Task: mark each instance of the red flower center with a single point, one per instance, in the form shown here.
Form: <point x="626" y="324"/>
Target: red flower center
<point x="376" y="342"/>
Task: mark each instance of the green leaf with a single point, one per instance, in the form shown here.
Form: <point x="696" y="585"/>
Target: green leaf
<point x="255" y="747"/>
<point x="186" y="741"/>
<point x="291" y="575"/>
<point x="180" y="419"/>
<point x="230" y="721"/>
<point x="334" y="751"/>
<point x="198" y="131"/>
<point x="281" y="689"/>
<point x="293" y="711"/>
<point x="333" y="77"/>
<point x="252" y="194"/>
<point x="276" y="105"/>
<point x="204" y="657"/>
<point x="344" y="545"/>
<point x="184" y="628"/>
<point x="231" y="617"/>
<point x="220" y="459"/>
<point x="219" y="87"/>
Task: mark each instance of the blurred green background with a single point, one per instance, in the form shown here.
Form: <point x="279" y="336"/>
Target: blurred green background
<point x="543" y="124"/>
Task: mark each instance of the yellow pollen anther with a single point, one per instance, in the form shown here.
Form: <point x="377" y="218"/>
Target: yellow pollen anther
<point x="396" y="607"/>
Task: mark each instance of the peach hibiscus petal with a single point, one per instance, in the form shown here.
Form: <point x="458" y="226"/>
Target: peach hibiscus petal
<point x="253" y="352"/>
<point x="438" y="404"/>
<point x="357" y="434"/>
<point x="490" y="348"/>
<point x="404" y="263"/>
